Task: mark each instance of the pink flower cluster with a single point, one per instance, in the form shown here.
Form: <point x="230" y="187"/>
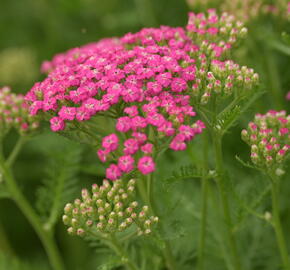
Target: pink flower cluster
<point x="288" y="96"/>
<point x="14" y="113"/>
<point x="145" y="82"/>
<point x="269" y="138"/>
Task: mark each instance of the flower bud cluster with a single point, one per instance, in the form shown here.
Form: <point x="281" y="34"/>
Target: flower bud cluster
<point x="223" y="79"/>
<point x="269" y="138"/>
<point x="246" y="10"/>
<point x="218" y="32"/>
<point x="14" y="113"/>
<point x="145" y="83"/>
<point x="107" y="209"/>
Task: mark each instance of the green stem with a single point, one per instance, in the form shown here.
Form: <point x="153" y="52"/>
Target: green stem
<point x="149" y="189"/>
<point x="146" y="194"/>
<point x="204" y="194"/>
<point x="115" y="244"/>
<point x="215" y="228"/>
<point x="45" y="237"/>
<point x="277" y="224"/>
<point x="221" y="177"/>
<point x="4" y="242"/>
<point x="14" y="153"/>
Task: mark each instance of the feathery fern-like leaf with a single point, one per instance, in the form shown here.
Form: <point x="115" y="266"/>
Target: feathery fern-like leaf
<point x="60" y="182"/>
<point x="183" y="173"/>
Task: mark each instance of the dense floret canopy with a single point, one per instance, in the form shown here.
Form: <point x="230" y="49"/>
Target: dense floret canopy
<point x="145" y="84"/>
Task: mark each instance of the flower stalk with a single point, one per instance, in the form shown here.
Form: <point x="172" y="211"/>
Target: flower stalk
<point x="204" y="199"/>
<point x="146" y="192"/>
<point x="220" y="179"/>
<point x="275" y="182"/>
<point x="117" y="246"/>
<point x="46" y="237"/>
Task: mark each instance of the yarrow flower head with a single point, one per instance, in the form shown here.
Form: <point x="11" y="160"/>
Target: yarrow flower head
<point x="269" y="138"/>
<point x="14" y="113"/>
<point x="145" y="85"/>
<point x="108" y="209"/>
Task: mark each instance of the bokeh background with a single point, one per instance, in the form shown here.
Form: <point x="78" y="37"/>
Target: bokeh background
<point x="32" y="31"/>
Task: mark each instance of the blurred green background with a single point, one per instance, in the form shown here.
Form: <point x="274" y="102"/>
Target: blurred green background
<point x="32" y="31"/>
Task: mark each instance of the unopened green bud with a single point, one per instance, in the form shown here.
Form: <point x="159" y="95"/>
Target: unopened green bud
<point x="154" y="219"/>
<point x="77" y="202"/>
<point x="130" y="189"/>
<point x="112" y="215"/>
<point x="101" y="210"/>
<point x="106" y="184"/>
<point x="147" y="231"/>
<point x="120" y="214"/>
<point x="134" y="204"/>
<point x="147" y="223"/>
<point x="96" y="196"/>
<point x="117" y="198"/>
<point x="129" y="210"/>
<point x="74" y="222"/>
<point x="123" y="226"/>
<point x="102" y="218"/>
<point x="65" y="219"/>
<point x="124" y="196"/>
<point x="68" y="208"/>
<point x="95" y="188"/>
<point x="85" y="194"/>
<point x="205" y="98"/>
<point x="142" y="215"/>
<point x="100" y="226"/>
<point x="70" y="230"/>
<point x="80" y="232"/>
<point x="110" y="195"/>
<point x="108" y="207"/>
<point x="129" y="220"/>
<point x="133" y="215"/>
<point x="75" y="212"/>
<point x="132" y="182"/>
<point x="119" y="206"/>
<point x="89" y="223"/>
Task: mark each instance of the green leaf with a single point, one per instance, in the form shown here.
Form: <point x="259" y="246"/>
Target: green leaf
<point x="245" y="164"/>
<point x="249" y="207"/>
<point x="183" y="173"/>
<point x="229" y="116"/>
<point x="60" y="182"/>
<point x="112" y="262"/>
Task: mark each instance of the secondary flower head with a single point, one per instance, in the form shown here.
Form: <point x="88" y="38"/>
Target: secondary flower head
<point x="246" y="10"/>
<point x="14" y="113"/>
<point x="143" y="87"/>
<point x="269" y="138"/>
<point x="108" y="209"/>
